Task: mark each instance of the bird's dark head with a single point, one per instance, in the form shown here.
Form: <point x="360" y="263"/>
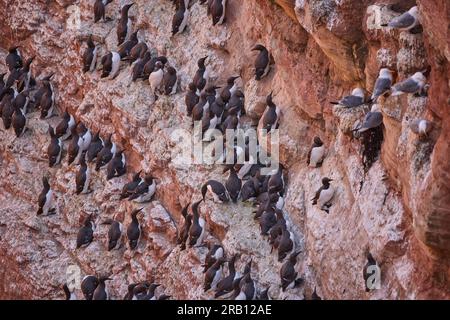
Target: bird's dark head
<point x="13" y="49"/>
<point x="137" y="175"/>
<point x="127" y="7"/>
<point x="293" y="256"/>
<point x="135" y="212"/>
<point x="317" y="141"/>
<point x="49" y="77"/>
<point x="45" y="181"/>
<point x="192" y="87"/>
<point x="258" y="47"/>
<point x="201" y="62"/>
<point x="231" y="80"/>
<point x="149" y="179"/>
<point x="326" y="181"/>
<point x="171" y="70"/>
<point x="269" y="100"/>
<point x="184" y="211"/>
<point x="163" y="60"/>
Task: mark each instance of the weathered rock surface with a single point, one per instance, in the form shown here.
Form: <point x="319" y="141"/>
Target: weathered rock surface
<point x="321" y="51"/>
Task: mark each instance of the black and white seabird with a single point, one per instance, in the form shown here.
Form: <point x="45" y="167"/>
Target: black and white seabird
<point x="88" y="285"/>
<point x="180" y="19"/>
<point x="149" y="67"/>
<point x="129" y="188"/>
<point x="24" y="80"/>
<point x="262" y="62"/>
<point x="270" y="118"/>
<point x="276" y="231"/>
<point x="250" y="190"/>
<point x="231" y="122"/>
<point x="144" y="191"/>
<point x="95" y="147"/>
<point x="382" y="84"/>
<point x="405" y="21"/>
<point x="138" y="51"/>
<point x="315" y="296"/>
<point x="237" y="279"/>
<point x="352" y="101"/>
<point x="74" y="149"/>
<point x="124" y="25"/>
<point x="134" y="230"/>
<point x="197" y="229"/>
<point x="225" y="286"/>
<point x="47" y="99"/>
<point x="115" y="235"/>
<point x="156" y="77"/>
<point x="45" y="200"/>
<point x="101" y="292"/>
<point x="213" y="275"/>
<point x="137" y="69"/>
<point x="22" y="100"/>
<point x="2" y="81"/>
<point x="229" y="89"/>
<point x="169" y="81"/>
<point x="264" y="295"/>
<point x="191" y="98"/>
<point x="209" y="123"/>
<point x="288" y="274"/>
<point x="106" y="154"/>
<point x="64" y="128"/>
<point x="100" y="10"/>
<point x="233" y="185"/>
<point x="83" y="176"/>
<point x="217" y="108"/>
<point x="110" y="64"/>
<point x="201" y="75"/>
<point x="247" y="288"/>
<point x="267" y="219"/>
<point x="19" y="121"/>
<point x="324" y="195"/>
<point x="86" y="233"/>
<point x="7" y="109"/>
<point x="54" y="149"/>
<point x="44" y="86"/>
<point x="414" y="84"/>
<point x="183" y="233"/>
<point x="90" y="55"/>
<point x="85" y="135"/>
<point x="70" y="294"/>
<point x="218" y="10"/>
<point x="367" y="273"/>
<point x="130" y="289"/>
<point x="216" y="190"/>
<point x="126" y="47"/>
<point x="316" y="153"/>
<point x="276" y="182"/>
<point x="215" y="253"/>
<point x="285" y="244"/>
<point x="117" y="166"/>
<point x="145" y="291"/>
<point x="14" y="59"/>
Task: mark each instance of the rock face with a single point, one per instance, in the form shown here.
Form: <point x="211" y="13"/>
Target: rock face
<point x="399" y="210"/>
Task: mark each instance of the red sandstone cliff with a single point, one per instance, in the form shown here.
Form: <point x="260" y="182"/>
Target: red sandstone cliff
<point x="322" y="49"/>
